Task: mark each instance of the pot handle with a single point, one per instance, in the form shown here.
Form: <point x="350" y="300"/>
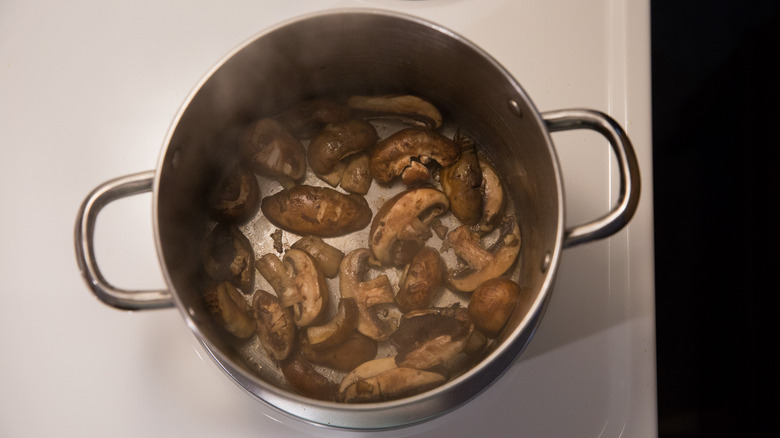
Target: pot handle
<point x="628" y="169"/>
<point x="85" y="251"/>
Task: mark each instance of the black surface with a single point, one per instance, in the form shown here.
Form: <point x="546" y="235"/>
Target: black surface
<point x="716" y="158"/>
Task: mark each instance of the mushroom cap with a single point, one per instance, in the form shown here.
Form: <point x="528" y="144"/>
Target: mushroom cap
<point x="318" y="211"/>
<point x="408" y="108"/>
<point x="275" y="326"/>
<point x="272" y="150"/>
<point x="337" y="141"/>
<point x="401" y="226"/>
<point x="430" y="337"/>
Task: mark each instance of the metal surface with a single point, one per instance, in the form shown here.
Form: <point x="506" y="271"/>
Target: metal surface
<point x="393" y="54"/>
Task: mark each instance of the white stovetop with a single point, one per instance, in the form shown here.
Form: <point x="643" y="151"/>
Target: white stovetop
<point x="88" y="90"/>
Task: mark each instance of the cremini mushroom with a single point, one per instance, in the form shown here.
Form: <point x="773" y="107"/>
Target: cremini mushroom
<point x="305" y="379"/>
<point x="493" y="198"/>
<point x="357" y="175"/>
<point x="337" y="328"/>
<point x="492" y="303"/>
<point x="327" y="257"/>
<point x="319" y="211"/>
<point x="404" y="107"/>
<point x="305" y="119"/>
<point x="401" y="226"/>
<point x="367" y="294"/>
<point x="229" y="309"/>
<point x="411" y="148"/>
<point x="236" y="197"/>
<point x="420" y="281"/>
<point x="483" y="264"/>
<point x="462" y="181"/>
<point x="271" y="150"/>
<point x="275" y="326"/>
<point x="228" y="256"/>
<point x="430" y="337"/>
<point x="354" y="350"/>
<point x="298" y="283"/>
<point x="382" y="380"/>
<point x="337" y="141"/>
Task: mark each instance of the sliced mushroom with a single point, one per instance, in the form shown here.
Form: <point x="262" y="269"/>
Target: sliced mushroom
<point x="483" y="264"/>
<point x="275" y="327"/>
<point x="327" y="257"/>
<point x="421" y="280"/>
<point x="492" y="303"/>
<point x="401" y="226"/>
<point x="236" y="197"/>
<point x="272" y="151"/>
<point x="462" y="182"/>
<point x="393" y="155"/>
<point x="431" y="337"/>
<point x="407" y="108"/>
<point x="230" y="309"/>
<point x="367" y="294"/>
<point x="338" y="141"/>
<point x="318" y="211"/>
<point x="306" y="380"/>
<point x="357" y="176"/>
<point x="228" y="256"/>
<point x="354" y="350"/>
<point x="298" y="283"/>
<point x="337" y="329"/>
<point x="493" y="198"/>
<point x="381" y="380"/>
<point x="305" y="119"/>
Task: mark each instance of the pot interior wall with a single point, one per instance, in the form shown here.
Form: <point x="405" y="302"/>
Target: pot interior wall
<point x="340" y="55"/>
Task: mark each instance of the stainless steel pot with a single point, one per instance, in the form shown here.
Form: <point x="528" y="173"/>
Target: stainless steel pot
<point x="359" y="52"/>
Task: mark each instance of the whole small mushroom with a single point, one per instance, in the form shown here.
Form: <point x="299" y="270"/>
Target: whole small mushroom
<point x="492" y="304"/>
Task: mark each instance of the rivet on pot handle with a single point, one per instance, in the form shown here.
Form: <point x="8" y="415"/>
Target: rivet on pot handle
<point x="85" y="252"/>
<point x="621" y="213"/>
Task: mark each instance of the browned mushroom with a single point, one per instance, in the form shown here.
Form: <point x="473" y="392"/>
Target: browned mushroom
<point x="298" y="283"/>
<point x="275" y="327"/>
<point x="483" y="264"/>
<point x="236" y="197"/>
<point x="357" y="175"/>
<point x="326" y="256"/>
<point x="493" y="198"/>
<point x="337" y="329"/>
<point x="272" y="151"/>
<point x="430" y="337"/>
<point x="318" y="211"/>
<point x="228" y="256"/>
<point x="306" y="118"/>
<point x="462" y="181"/>
<point x="367" y="294"/>
<point x="306" y="380"/>
<point x="396" y="153"/>
<point x="382" y="380"/>
<point x="421" y="280"/>
<point x="337" y="141"/>
<point x="401" y="226"/>
<point x="229" y="309"/>
<point x="406" y="108"/>
<point x="355" y="349"/>
<point x="492" y="303"/>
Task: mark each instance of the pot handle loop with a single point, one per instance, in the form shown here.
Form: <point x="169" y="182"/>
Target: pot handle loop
<point x="628" y="169"/>
<point x="85" y="251"/>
